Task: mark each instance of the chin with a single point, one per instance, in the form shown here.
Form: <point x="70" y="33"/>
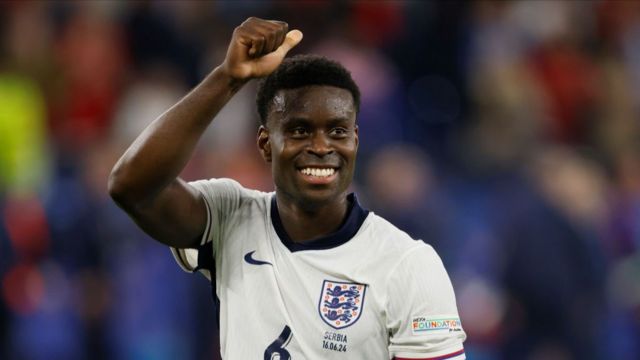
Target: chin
<point x="315" y="198"/>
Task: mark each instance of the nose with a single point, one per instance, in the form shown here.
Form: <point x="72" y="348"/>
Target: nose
<point x="319" y="144"/>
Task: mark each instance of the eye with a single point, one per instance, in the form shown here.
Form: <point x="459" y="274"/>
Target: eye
<point x="339" y="132"/>
<point x="299" y="132"/>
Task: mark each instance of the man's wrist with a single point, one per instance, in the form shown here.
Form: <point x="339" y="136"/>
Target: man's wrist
<point x="219" y="76"/>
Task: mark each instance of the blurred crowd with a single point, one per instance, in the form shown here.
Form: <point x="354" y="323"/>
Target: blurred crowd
<point x="504" y="133"/>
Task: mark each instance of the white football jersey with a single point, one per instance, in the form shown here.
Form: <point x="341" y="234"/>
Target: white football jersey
<point x="367" y="291"/>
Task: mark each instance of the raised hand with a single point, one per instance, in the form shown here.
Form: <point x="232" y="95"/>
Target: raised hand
<point x="257" y="47"/>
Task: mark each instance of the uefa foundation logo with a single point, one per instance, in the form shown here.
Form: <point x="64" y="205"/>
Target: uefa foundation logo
<point x="341" y="303"/>
<point x="435" y="325"/>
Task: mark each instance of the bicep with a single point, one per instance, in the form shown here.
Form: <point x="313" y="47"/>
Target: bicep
<point x="177" y="216"/>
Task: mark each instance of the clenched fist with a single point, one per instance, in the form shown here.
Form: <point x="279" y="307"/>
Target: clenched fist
<point x="257" y="48"/>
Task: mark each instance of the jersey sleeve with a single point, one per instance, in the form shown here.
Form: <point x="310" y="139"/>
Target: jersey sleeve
<point x="422" y="317"/>
<point x="221" y="197"/>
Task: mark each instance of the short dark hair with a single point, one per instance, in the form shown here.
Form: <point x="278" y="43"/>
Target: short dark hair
<point x="300" y="71"/>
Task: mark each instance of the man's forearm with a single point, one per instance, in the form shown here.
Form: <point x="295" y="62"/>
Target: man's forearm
<point x="163" y="149"/>
<point x="145" y="180"/>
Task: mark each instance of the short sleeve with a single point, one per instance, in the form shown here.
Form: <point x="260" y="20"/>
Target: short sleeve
<point x="221" y="197"/>
<point x="422" y="317"/>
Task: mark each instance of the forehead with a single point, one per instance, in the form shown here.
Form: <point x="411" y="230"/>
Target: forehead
<point x="312" y="101"/>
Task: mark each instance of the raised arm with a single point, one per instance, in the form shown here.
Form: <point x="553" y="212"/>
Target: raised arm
<point x="145" y="183"/>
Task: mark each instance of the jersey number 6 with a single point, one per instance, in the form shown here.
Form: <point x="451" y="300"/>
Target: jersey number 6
<point x="276" y="350"/>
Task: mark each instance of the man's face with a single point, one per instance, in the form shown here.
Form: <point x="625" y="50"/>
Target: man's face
<point x="311" y="140"/>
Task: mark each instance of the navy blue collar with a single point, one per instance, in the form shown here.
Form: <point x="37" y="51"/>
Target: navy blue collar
<point x="354" y="219"/>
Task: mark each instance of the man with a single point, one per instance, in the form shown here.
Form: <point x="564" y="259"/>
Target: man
<point x="305" y="272"/>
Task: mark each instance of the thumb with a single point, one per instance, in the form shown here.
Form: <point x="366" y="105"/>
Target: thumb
<point x="292" y="39"/>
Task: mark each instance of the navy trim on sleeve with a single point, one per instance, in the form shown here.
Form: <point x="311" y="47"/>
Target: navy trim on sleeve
<point x="207" y="262"/>
<point x="205" y="259"/>
<point x="352" y="223"/>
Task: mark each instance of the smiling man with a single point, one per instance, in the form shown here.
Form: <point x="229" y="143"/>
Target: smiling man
<point x="305" y="272"/>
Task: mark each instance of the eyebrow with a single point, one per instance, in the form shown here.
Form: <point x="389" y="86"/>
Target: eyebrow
<point x="303" y="120"/>
<point x="294" y="121"/>
<point x="339" y="120"/>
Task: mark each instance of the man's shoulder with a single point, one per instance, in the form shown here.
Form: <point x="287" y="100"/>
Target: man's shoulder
<point x="229" y="198"/>
<point x="227" y="187"/>
<point x="390" y="239"/>
<point x="390" y="254"/>
<point x="387" y="231"/>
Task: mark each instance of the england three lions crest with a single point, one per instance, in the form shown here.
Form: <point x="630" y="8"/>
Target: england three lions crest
<point x="341" y="303"/>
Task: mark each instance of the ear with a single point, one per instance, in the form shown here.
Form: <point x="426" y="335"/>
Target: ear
<point x="264" y="145"/>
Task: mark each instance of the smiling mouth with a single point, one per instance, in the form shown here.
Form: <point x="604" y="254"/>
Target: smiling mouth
<point x="318" y="172"/>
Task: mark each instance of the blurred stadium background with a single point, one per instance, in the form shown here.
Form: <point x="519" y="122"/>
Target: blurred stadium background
<point x="504" y="133"/>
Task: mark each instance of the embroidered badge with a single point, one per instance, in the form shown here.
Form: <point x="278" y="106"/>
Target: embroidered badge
<point x="341" y="303"/>
<point x="423" y="325"/>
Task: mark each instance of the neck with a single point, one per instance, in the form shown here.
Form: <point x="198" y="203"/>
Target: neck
<point x="305" y="223"/>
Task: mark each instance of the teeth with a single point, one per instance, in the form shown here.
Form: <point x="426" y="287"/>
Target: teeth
<point x="318" y="172"/>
